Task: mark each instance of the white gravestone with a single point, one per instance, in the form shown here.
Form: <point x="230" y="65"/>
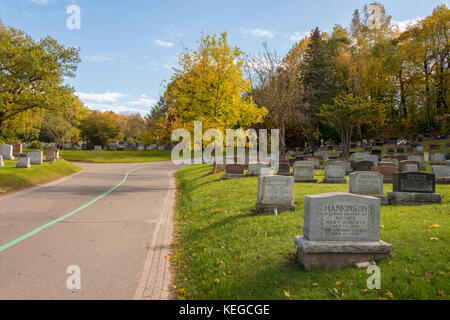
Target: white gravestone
<point x="2" y="164"/>
<point x="368" y="184"/>
<point x="340" y="229"/>
<point x="6" y="151"/>
<point x="98" y="148"/>
<point x="437" y="159"/>
<point x="36" y="157"/>
<point x="334" y="174"/>
<point x="304" y="172"/>
<point x="23" y="163"/>
<point x="257" y="169"/>
<point x="275" y="193"/>
<point x="411" y="168"/>
<point x="442" y="174"/>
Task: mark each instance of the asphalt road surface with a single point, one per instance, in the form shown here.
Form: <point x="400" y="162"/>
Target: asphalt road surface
<point x="108" y="239"/>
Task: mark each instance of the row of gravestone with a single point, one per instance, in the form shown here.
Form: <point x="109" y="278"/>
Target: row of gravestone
<point x="25" y="160"/>
<point x="341" y="229"/>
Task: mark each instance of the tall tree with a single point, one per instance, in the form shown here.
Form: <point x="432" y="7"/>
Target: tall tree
<point x="32" y="74"/>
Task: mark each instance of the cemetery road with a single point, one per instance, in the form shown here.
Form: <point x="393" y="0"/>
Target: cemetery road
<point x="101" y="220"/>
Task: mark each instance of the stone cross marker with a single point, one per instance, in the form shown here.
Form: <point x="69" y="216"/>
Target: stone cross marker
<point x="36" y="157"/>
<point x="275" y="193"/>
<point x="340" y="229"/>
<point x="6" y="151"/>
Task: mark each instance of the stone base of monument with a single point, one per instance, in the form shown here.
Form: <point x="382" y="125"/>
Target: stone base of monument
<point x="329" y="255"/>
<point x="411" y="198"/>
<point x="443" y="180"/>
<point x="299" y="180"/>
<point x="49" y="160"/>
<point x="335" y="181"/>
<point x="233" y="176"/>
<point x="384" y="199"/>
<point x="270" y="209"/>
<point x="440" y="163"/>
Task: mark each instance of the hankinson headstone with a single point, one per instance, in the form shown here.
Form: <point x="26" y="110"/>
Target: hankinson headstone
<point x="437" y="159"/>
<point x="340" y="229"/>
<point x="6" y="151"/>
<point x="334" y="174"/>
<point x="234" y="171"/>
<point x="414" y="188"/>
<point x="36" y="157"/>
<point x="368" y="184"/>
<point x="304" y="172"/>
<point x="23" y="163"/>
<point x="275" y="194"/>
<point x="284" y="169"/>
<point x="442" y="174"/>
<point x="387" y="172"/>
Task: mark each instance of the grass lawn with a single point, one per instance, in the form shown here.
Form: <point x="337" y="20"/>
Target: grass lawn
<point x="126" y="156"/>
<point x="223" y="250"/>
<point x="13" y="179"/>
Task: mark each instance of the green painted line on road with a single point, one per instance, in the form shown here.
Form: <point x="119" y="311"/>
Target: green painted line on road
<point x="45" y="226"/>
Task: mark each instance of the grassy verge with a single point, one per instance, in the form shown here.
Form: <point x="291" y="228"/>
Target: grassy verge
<point x="13" y="179"/>
<point x="127" y="156"/>
<point x="224" y="250"/>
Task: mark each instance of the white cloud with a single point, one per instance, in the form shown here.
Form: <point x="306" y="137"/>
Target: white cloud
<point x="100" y="97"/>
<point x="161" y="43"/>
<point x="297" y="36"/>
<point x="403" y="25"/>
<point x="143" y="101"/>
<point x="259" y="33"/>
<point x="99" y="58"/>
<point x="115" y="108"/>
<point x="41" y="1"/>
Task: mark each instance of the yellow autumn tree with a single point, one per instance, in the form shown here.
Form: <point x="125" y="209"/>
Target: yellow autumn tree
<point x="209" y="86"/>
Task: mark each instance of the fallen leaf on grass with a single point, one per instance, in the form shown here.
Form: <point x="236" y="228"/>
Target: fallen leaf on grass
<point x="389" y="294"/>
<point x="338" y="283"/>
<point x="287" y="293"/>
<point x="216" y="280"/>
<point x="315" y="284"/>
<point x="428" y="274"/>
<point x="364" y="290"/>
<point x="412" y="282"/>
<point x="441" y="293"/>
<point x="435" y="226"/>
<point x="434" y="239"/>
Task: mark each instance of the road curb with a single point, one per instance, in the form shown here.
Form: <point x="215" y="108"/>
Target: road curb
<point x="155" y="277"/>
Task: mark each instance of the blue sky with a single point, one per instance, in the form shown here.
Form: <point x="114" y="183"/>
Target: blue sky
<point x="129" y="46"/>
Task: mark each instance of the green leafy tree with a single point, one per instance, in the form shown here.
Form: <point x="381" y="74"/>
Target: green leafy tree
<point x="32" y="74"/>
<point x="99" y="129"/>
